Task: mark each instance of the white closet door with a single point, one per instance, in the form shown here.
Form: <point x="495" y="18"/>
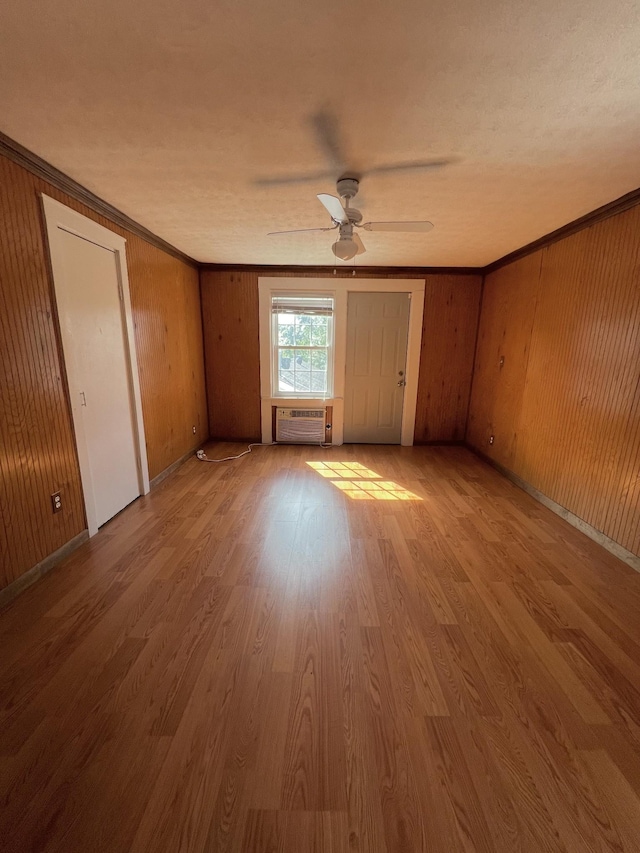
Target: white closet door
<point x="377" y="331"/>
<point x="89" y="299"/>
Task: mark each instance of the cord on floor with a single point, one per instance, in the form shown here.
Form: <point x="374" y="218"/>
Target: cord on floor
<point x="202" y="456"/>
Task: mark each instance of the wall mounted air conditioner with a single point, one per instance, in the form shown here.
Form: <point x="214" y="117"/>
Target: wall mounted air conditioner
<point x="300" y="426"/>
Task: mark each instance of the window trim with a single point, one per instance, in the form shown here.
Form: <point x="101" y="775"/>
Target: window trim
<point x="275" y="348"/>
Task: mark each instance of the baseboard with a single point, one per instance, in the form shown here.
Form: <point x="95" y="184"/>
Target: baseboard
<point x="234" y="440"/>
<point x="34" y="574"/>
<point x="439" y="443"/>
<point x="574" y="520"/>
<point x="173" y="467"/>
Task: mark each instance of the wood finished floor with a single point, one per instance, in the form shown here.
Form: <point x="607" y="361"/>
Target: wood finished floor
<point x="252" y="659"/>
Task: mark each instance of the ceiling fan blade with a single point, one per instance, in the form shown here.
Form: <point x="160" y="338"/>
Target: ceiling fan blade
<point x="417" y="227"/>
<point x="334" y="206"/>
<point x="325" y="126"/>
<point x="278" y="180"/>
<point x="405" y="167"/>
<point x="359" y="244"/>
<point x="300" y="231"/>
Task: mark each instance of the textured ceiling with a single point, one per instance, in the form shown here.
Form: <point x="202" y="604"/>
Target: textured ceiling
<point x="172" y="111"/>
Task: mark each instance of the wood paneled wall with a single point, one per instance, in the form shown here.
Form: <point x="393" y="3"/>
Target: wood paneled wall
<point x="232" y="354"/>
<point x="165" y="295"/>
<point x="451" y="306"/>
<point x="508" y="308"/>
<point x="37" y="449"/>
<point x="565" y="407"/>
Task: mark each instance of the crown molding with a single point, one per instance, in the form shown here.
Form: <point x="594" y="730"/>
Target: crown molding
<point x="12" y="150"/>
<point x="341" y="272"/>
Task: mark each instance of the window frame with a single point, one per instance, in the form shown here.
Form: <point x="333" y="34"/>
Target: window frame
<point x="275" y="347"/>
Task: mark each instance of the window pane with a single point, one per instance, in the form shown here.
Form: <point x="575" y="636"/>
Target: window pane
<point x="303" y="381"/>
<point x="285" y="359"/>
<point x="303" y="330"/>
<point x="300" y="349"/>
<point x="286" y="382"/>
<point x="302" y="371"/>
<point x="303" y="360"/>
<point x="319" y="332"/>
<point x="286" y="327"/>
<point x="318" y="381"/>
<point x="318" y="360"/>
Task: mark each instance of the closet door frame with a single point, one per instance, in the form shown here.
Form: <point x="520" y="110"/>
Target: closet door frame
<point x="59" y="218"/>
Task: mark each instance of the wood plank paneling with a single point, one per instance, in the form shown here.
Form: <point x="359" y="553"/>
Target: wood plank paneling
<point x="451" y="305"/>
<point x="230" y="316"/>
<point x="504" y="339"/>
<point x="165" y="294"/>
<point x="37" y="449"/>
<point x="37" y="453"/>
<point x="570" y="423"/>
<point x="232" y="353"/>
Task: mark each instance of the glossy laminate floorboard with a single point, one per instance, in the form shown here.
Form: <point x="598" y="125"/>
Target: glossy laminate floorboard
<point x="350" y="649"/>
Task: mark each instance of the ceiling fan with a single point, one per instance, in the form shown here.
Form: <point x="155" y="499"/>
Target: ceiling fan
<point x="345" y="218"/>
<point x="325" y="127"/>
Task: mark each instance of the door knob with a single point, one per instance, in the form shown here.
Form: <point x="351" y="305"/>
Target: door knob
<point x="401" y="383"/>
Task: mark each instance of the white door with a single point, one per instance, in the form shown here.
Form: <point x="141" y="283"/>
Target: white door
<point x="377" y="330"/>
<point x="89" y="297"/>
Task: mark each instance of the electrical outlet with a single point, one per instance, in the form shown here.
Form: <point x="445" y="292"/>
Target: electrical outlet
<point x="194" y="430"/>
<point x="491" y="438"/>
<point x="56" y="502"/>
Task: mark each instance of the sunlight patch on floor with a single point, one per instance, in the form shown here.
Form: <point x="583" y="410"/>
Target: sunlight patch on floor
<point x="361" y="483"/>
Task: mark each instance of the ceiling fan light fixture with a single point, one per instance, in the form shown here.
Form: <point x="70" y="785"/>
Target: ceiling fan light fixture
<point x="347" y="218"/>
<point x="345" y="249"/>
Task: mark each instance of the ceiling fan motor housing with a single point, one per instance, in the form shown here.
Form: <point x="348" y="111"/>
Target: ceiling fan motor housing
<point x="347" y="187"/>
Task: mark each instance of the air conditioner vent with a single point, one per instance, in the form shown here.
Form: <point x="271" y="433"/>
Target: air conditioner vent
<point x="300" y="426"/>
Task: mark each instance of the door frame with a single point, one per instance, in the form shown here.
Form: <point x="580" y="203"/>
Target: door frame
<point x="415" y="288"/>
<point x="59" y="218"/>
<point x="339" y="288"/>
<point x="400" y="321"/>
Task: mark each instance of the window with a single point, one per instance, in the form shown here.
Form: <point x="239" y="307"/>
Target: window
<point x="302" y="336"/>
